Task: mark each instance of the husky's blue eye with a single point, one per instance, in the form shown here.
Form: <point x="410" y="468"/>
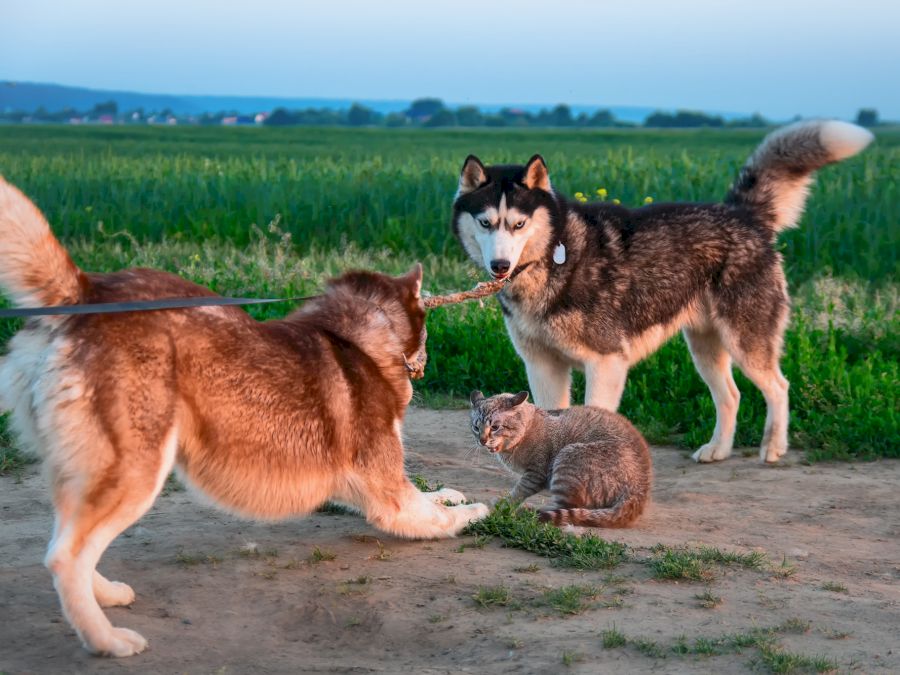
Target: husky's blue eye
<point x="484" y="222"/>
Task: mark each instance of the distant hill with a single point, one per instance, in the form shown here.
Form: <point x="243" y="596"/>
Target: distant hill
<point x="29" y="96"/>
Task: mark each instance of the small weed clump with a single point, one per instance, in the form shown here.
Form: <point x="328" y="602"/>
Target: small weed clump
<point x="494" y="596"/>
<point x="834" y="587"/>
<point x="697" y="564"/>
<point x="568" y="600"/>
<point x="612" y="638"/>
<point x="319" y="555"/>
<point x="707" y="600"/>
<point x="520" y="528"/>
<point x="423" y="485"/>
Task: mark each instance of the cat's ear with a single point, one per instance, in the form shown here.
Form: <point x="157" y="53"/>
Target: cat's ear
<point x="476" y="397"/>
<point x="520" y="398"/>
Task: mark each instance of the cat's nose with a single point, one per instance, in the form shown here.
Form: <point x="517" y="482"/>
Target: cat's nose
<point x="484" y="437"/>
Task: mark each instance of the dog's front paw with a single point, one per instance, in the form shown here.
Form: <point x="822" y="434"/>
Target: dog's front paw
<point x="446" y="496"/>
<point x="712" y="452"/>
<point x="475" y="512"/>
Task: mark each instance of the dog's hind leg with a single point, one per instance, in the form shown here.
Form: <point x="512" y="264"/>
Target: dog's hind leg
<point x="766" y="375"/>
<point x="88" y="519"/>
<point x="714" y="365"/>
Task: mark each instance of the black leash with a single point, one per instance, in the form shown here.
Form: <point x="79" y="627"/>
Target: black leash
<point x="161" y="303"/>
<point x="142" y="306"/>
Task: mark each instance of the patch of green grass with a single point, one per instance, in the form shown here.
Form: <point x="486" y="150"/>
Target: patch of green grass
<point x="611" y="638"/>
<point x="319" y="555"/>
<point x="494" y="596"/>
<point x="197" y="202"/>
<point x="673" y="564"/>
<point x="696" y="564"/>
<point x="568" y="600"/>
<point x="648" y="648"/>
<point x="12" y="460"/>
<point x="705" y="647"/>
<point x="778" y="660"/>
<point x="520" y="528"/>
<point x="424" y="485"/>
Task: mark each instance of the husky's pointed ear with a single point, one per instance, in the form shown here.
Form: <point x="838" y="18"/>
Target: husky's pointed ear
<point x="476" y="397"/>
<point x="414" y="278"/>
<point x="472" y="176"/>
<point x="537" y="177"/>
<point x="520" y="398"/>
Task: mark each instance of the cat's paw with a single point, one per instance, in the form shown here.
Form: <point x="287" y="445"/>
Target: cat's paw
<point x="446" y="496"/>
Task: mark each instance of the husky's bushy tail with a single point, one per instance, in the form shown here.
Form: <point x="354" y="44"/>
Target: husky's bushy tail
<point x="626" y="509"/>
<point x="35" y="270"/>
<point x="775" y="180"/>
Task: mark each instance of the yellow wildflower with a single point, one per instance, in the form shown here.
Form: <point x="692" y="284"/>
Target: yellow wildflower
<point x="617" y="201"/>
<point x="579" y="195"/>
<point x="601" y="192"/>
<point x="648" y="200"/>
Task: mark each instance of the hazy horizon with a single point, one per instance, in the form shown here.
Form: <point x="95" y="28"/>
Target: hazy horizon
<point x="806" y="58"/>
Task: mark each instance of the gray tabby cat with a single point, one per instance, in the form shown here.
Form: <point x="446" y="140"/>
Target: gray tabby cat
<point x="595" y="463"/>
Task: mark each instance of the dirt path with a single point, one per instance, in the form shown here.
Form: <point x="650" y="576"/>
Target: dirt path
<point x="208" y="606"/>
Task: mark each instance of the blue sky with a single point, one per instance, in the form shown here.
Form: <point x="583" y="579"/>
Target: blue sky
<point x="780" y="58"/>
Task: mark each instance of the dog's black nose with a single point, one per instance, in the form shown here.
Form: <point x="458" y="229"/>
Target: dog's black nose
<point x="499" y="266"/>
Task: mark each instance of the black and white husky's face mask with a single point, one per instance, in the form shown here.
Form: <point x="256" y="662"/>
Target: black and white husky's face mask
<point x="499" y="210"/>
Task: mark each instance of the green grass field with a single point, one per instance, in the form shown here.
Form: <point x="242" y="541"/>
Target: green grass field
<point x="275" y="211"/>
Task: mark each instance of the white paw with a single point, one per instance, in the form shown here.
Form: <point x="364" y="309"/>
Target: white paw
<point x="772" y="452"/>
<point x="475" y="511"/>
<point x="712" y="452"/>
<point x="446" y="495"/>
<point x="114" y="594"/>
<point x="120" y="642"/>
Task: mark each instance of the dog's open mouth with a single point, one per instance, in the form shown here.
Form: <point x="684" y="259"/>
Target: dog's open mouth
<point x="499" y="277"/>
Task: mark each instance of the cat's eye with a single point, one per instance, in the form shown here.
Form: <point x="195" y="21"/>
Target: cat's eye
<point x="484" y="222"/>
<point x="495" y="426"/>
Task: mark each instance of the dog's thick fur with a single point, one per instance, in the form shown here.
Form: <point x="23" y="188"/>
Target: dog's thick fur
<point x="267" y="420"/>
<point x="599" y="287"/>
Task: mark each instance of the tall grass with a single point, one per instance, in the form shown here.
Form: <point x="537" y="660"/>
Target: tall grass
<point x="192" y="200"/>
<point x="393" y="189"/>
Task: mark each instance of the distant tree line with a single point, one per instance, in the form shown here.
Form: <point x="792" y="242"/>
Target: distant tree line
<point x="423" y="112"/>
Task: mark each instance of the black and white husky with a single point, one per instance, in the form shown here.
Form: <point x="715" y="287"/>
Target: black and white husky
<point x="598" y="286"/>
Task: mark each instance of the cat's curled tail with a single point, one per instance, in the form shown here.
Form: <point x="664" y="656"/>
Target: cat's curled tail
<point x="624" y="511"/>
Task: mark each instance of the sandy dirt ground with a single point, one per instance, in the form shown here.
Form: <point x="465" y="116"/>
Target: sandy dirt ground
<point x="208" y="605"/>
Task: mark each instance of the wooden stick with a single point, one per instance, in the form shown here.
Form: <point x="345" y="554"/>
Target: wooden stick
<point x="482" y="290"/>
